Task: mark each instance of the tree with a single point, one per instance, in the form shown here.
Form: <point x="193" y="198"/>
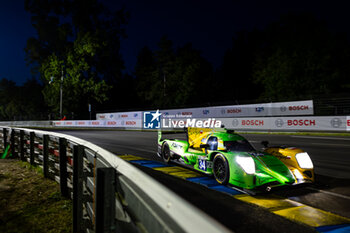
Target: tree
<point x="299" y="58"/>
<point x="82" y="40"/>
<point x="172" y="78"/>
<point x="21" y="102"/>
<point x="235" y="76"/>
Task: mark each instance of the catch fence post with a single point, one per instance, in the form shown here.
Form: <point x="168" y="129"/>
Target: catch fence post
<point x="78" y="154"/>
<point x="105" y="200"/>
<point x="4" y="135"/>
<point x="21" y="144"/>
<point x="31" y="148"/>
<point x="63" y="166"/>
<point x="12" y="143"/>
<point x="46" y="155"/>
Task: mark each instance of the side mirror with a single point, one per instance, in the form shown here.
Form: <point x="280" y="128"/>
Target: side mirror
<point x="265" y="143"/>
<point x="205" y="146"/>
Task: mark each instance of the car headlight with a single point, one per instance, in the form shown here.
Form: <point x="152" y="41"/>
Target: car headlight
<point x="304" y="160"/>
<point x="247" y="163"/>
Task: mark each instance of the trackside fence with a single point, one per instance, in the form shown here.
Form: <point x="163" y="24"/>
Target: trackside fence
<point x="109" y="194"/>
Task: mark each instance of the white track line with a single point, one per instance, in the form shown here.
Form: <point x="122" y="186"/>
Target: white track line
<point x="321" y="137"/>
<point x="330" y="193"/>
<point x="330" y="144"/>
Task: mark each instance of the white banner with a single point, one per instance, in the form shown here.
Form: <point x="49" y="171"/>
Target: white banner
<point x="119" y="115"/>
<point x="329" y="123"/>
<point x="124" y="123"/>
<point x="249" y="110"/>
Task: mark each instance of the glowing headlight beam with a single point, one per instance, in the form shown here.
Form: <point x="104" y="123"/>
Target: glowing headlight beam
<point x="304" y="160"/>
<point x="247" y="163"/>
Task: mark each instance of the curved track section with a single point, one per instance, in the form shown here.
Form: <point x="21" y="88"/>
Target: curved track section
<point x="330" y="195"/>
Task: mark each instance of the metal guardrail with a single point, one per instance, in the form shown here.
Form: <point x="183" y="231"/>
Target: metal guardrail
<point x="109" y="194"/>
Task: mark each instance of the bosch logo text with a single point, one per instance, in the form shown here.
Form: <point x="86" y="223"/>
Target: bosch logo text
<point x="298" y="108"/>
<point x="234" y="110"/>
<point x="253" y="122"/>
<point x="301" y="122"/>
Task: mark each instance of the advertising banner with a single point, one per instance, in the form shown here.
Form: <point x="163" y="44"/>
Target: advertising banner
<point x="305" y="123"/>
<point x="124" y="123"/>
<point x="119" y="115"/>
<point x="249" y="110"/>
<point x="330" y="123"/>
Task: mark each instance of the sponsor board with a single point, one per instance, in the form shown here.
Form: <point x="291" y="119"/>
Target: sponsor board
<point x="127" y="123"/>
<point x="249" y="110"/>
<point x="119" y="115"/>
<point x="329" y="123"/>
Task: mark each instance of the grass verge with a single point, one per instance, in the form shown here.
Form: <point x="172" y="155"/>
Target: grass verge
<point x="29" y="202"/>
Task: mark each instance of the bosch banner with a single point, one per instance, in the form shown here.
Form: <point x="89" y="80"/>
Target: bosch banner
<point x="329" y="123"/>
<point x="124" y="123"/>
<point x="296" y="108"/>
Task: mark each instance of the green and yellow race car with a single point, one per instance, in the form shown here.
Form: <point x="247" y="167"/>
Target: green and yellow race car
<point x="233" y="160"/>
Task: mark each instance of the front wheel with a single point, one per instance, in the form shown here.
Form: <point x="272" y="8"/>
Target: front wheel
<point x="166" y="153"/>
<point x="221" y="169"/>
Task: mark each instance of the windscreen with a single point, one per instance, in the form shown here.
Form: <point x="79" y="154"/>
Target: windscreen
<point x="238" y="145"/>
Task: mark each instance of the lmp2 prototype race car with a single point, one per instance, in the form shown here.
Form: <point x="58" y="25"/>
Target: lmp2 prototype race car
<point x="234" y="161"/>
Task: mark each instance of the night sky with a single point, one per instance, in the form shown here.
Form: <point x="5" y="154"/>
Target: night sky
<point x="208" y="25"/>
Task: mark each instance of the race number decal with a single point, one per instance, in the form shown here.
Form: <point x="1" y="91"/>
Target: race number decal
<point x="202" y="164"/>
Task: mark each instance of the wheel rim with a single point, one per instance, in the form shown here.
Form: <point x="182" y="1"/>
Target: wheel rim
<point x="166" y="154"/>
<point x="219" y="170"/>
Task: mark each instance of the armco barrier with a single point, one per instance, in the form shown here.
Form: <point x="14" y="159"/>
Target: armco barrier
<point x="109" y="194"/>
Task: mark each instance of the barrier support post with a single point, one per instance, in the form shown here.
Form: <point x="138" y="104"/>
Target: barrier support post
<point x="78" y="154"/>
<point x="63" y="166"/>
<point x="21" y="144"/>
<point x="4" y="137"/>
<point x="31" y="148"/>
<point x="12" y="143"/>
<point x="46" y="155"/>
<point x="105" y="200"/>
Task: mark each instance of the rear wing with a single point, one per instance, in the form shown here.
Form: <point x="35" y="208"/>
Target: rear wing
<point x="194" y="136"/>
<point x="162" y="134"/>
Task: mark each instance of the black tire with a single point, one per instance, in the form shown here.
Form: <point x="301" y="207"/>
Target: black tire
<point x="166" y="153"/>
<point x="221" y="169"/>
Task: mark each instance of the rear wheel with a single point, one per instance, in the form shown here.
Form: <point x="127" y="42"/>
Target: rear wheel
<point x="166" y="153"/>
<point x="221" y="169"/>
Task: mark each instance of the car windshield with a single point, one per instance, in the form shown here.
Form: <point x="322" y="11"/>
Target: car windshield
<point x="239" y="145"/>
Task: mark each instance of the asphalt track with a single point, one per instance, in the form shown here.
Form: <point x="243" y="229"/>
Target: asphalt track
<point x="331" y="192"/>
